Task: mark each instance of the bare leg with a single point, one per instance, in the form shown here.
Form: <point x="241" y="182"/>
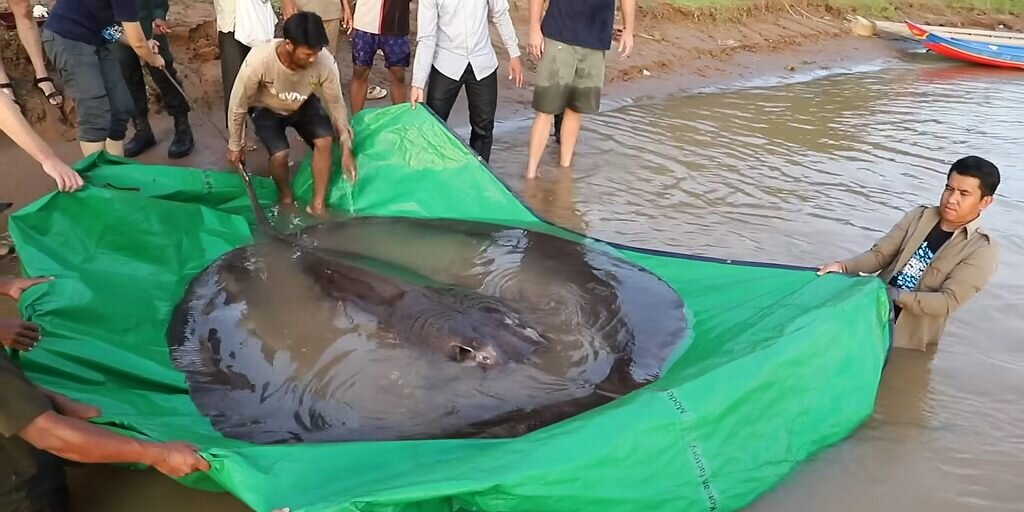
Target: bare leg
<point x="115" y="147"/>
<point x="539" y="134"/>
<point x="570" y="132"/>
<point x="279" y="172"/>
<point x="321" y="166"/>
<point x="4" y="78"/>
<point x="89" y="148"/>
<point x="357" y="89"/>
<point x="28" y="32"/>
<point x="399" y="91"/>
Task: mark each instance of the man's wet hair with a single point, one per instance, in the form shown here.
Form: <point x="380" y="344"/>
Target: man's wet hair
<point x="306" y="29"/>
<point x="977" y="167"/>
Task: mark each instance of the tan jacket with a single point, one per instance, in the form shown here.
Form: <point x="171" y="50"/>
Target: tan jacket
<point x="961" y="268"/>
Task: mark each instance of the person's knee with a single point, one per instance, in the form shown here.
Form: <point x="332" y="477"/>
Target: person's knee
<point x="94" y="119"/>
<point x="397" y="75"/>
<point x="360" y="73"/>
<point x="322" y="144"/>
<point x="279" y="159"/>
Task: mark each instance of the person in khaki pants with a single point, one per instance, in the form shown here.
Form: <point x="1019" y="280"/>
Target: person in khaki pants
<point x="936" y="258"/>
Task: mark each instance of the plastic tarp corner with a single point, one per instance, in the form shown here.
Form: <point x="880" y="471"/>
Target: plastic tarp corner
<point x="779" y="363"/>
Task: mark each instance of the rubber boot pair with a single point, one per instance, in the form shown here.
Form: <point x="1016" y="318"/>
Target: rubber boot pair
<point x="181" y="145"/>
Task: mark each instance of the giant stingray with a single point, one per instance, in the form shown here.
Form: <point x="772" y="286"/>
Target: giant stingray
<point x="407" y="328"/>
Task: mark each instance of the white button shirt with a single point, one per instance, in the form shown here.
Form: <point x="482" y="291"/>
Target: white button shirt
<point x="452" y="34"/>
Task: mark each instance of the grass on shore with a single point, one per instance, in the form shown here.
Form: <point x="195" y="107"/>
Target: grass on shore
<point x="887" y="8"/>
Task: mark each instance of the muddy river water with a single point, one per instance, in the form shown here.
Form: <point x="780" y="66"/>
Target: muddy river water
<point x="803" y="173"/>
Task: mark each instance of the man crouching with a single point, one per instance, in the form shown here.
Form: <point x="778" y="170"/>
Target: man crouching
<point x="280" y="84"/>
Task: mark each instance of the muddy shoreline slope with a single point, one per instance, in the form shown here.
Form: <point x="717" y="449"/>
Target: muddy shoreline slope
<point x="673" y="38"/>
<point x="680" y="45"/>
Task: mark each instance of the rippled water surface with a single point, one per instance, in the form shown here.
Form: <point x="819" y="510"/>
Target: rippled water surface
<point x="271" y="356"/>
<point x="814" y="171"/>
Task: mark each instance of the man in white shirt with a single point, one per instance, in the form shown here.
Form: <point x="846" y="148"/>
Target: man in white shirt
<point x="454" y="50"/>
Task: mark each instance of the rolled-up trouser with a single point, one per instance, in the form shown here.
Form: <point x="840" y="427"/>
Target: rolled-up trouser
<point x="93" y="78"/>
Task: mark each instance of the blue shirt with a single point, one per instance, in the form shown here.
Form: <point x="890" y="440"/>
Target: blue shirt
<point x="584" y="23"/>
<point x="85" y="20"/>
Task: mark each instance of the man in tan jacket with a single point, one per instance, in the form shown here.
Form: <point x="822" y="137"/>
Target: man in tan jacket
<point x="936" y="258"/>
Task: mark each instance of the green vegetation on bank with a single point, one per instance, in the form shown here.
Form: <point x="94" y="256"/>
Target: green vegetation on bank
<point x="888" y="8"/>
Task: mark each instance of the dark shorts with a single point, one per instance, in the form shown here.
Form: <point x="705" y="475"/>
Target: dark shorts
<point x="568" y="77"/>
<point x="311" y="121"/>
<point x="365" y="45"/>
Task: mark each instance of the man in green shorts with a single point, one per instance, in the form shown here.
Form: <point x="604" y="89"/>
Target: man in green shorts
<point x="571" y="42"/>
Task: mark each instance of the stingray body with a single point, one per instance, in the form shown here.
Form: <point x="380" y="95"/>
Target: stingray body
<point x="382" y="328"/>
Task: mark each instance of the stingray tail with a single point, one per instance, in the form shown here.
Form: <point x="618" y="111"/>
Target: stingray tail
<point x="257" y="209"/>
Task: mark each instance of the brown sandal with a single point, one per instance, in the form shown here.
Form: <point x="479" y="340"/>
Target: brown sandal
<point x="56" y="92"/>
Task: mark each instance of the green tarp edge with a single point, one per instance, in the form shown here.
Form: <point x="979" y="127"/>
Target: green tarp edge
<point x="778" y="364"/>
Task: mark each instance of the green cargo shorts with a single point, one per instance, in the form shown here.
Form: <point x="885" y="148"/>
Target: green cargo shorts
<point x="568" y="77"/>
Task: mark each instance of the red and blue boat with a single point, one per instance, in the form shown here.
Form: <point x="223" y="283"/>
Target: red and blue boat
<point x="973" y="50"/>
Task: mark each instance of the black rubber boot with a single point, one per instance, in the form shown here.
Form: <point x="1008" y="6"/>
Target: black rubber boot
<point x="142" y="139"/>
<point x="183" y="143"/>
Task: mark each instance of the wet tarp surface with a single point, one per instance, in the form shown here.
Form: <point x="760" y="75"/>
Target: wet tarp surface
<point x="778" y="364"/>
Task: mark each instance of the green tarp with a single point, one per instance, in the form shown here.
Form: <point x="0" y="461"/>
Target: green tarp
<point x="778" y="364"/>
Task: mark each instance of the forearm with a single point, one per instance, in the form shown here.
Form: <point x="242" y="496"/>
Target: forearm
<point x="940" y="303"/>
<point x="536" y="7"/>
<point x="426" y="42"/>
<point x="501" y="19"/>
<point x="238" y="106"/>
<point x="334" y="103"/>
<point x="628" y="12"/>
<point x="342" y="127"/>
<point x="868" y="262"/>
<point x="17" y="128"/>
<point x="423" y="61"/>
<point x="135" y="37"/>
<point x="236" y="126"/>
<point x="79" y="441"/>
<point x="885" y="250"/>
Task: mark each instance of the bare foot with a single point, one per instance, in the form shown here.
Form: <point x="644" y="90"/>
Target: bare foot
<point x="317" y="210"/>
<point x="51" y="93"/>
<point x="532" y="174"/>
<point x="70" y="408"/>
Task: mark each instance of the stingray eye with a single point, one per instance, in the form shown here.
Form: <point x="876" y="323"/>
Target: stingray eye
<point x="461" y="353"/>
<point x="488" y="308"/>
<point x="485" y="359"/>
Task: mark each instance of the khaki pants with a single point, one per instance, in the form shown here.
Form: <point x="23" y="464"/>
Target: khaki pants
<point x="333" y="28"/>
